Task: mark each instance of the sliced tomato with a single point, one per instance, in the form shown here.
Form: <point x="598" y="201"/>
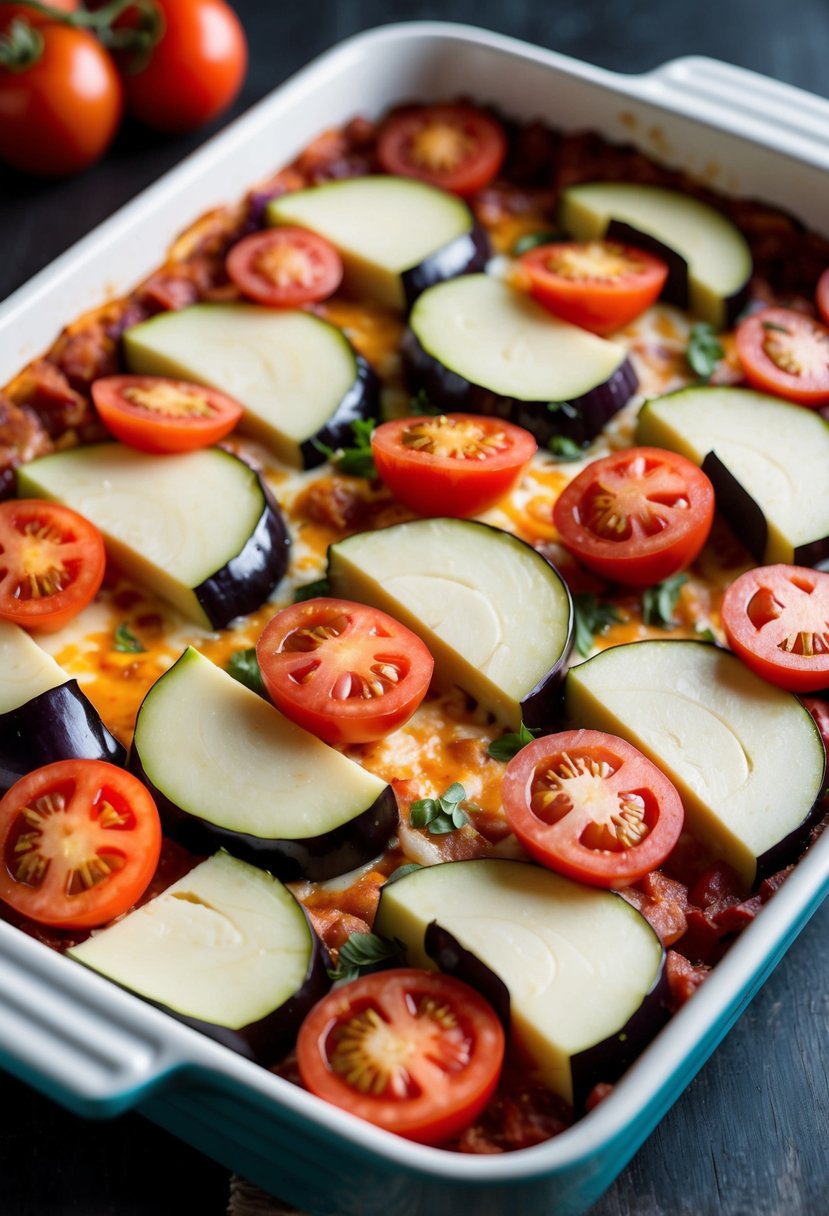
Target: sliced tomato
<point x="591" y="807"/>
<point x="454" y="464"/>
<point x="776" y="618"/>
<point x="822" y="296"/>
<point x="599" y="285"/>
<point x="415" y="1052"/>
<point x="346" y="672"/>
<point x="79" y="843"/>
<point x="285" y="267"/>
<point x="786" y="353"/>
<point x="456" y="147"/>
<point x="52" y="563"/>
<point x="154" y="414"/>
<point x="637" y="516"/>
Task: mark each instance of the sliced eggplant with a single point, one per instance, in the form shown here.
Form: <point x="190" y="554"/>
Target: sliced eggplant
<point x="496" y="615"/>
<point x="44" y="716"/>
<point x="746" y="757"/>
<point x="199" y="528"/>
<point x="709" y="259"/>
<point x="297" y="377"/>
<point x="226" y="949"/>
<point x="227" y="770"/>
<point x="396" y="236"/>
<point x="584" y="970"/>
<point x="477" y="345"/>
<point x="767" y="459"/>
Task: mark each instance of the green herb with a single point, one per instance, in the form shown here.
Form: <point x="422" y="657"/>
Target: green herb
<point x="127" y="642"/>
<point x="593" y="618"/>
<point x="510" y="745"/>
<point x="531" y="240"/>
<point x="704" y="632"/>
<point x="564" y="407"/>
<point x="310" y="591"/>
<point x="402" y="871"/>
<point x="443" y="814"/>
<point x="565" y="449"/>
<point x="421" y="403"/>
<point x="356" y="460"/>
<point x="244" y="668"/>
<point x="659" y="602"/>
<point x="704" y="350"/>
<point x="772" y="325"/>
<point x="364" y="950"/>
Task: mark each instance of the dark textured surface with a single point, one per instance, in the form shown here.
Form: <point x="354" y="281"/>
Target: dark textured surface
<point x="750" y="1135"/>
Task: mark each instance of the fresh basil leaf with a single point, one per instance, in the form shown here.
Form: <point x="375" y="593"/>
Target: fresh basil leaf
<point x="531" y="240"/>
<point x="564" y="407"/>
<point x="423" y="811"/>
<point x="127" y="642"/>
<point x="705" y="633"/>
<point x="593" y="619"/>
<point x="565" y="449"/>
<point x="310" y="591"/>
<point x="402" y="871"/>
<point x="510" y="745"/>
<point x="443" y="814"/>
<point x="244" y="668"/>
<point x="361" y="951"/>
<point x="356" y="460"/>
<point x="704" y="350"/>
<point x="659" y="602"/>
<point x="455" y="793"/>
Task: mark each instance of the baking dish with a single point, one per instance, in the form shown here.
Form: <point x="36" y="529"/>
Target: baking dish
<point x="99" y="1051"/>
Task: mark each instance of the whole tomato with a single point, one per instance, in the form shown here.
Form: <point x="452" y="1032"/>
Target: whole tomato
<point x="8" y="12"/>
<point x="59" y="114"/>
<point x="195" y="69"/>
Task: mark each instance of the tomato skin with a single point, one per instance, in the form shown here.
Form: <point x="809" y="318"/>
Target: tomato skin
<point x="194" y="71"/>
<point x="800" y="343"/>
<point x="458" y="148"/>
<point x="285" y="267"/>
<point x="79" y="811"/>
<point x="8" y="12"/>
<point x="560" y="844"/>
<point x="822" y="296"/>
<point x="309" y="652"/>
<point x="60" y="115"/>
<point x="769" y="609"/>
<point x="433" y="1051"/>
<point x="416" y="459"/>
<point x="654" y="538"/>
<point x="163" y="427"/>
<point x="52" y="563"/>
<point x="599" y="285"/>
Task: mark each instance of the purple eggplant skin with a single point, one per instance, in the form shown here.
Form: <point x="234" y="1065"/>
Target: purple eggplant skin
<point x="59" y="724"/>
<point x="465" y="254"/>
<point x="450" y="956"/>
<point x="315" y="858"/>
<point x="243" y="584"/>
<point x="362" y="401"/>
<point x="580" y="420"/>
<point x="543" y="708"/>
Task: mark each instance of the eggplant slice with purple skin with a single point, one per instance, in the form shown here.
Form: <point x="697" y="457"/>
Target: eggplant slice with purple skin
<point x="227" y="770"/>
<point x="225" y="949"/>
<point x="478" y="346"/>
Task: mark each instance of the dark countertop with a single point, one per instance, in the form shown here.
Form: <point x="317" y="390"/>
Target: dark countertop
<point x="749" y="1137"/>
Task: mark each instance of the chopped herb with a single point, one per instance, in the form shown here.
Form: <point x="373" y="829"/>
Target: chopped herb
<point x="510" y="745"/>
<point x="704" y="632"/>
<point x="357" y="460"/>
<point x="362" y="951"/>
<point x="531" y="240"/>
<point x="443" y="814"/>
<point x="659" y="602"/>
<point x="593" y="619"/>
<point x="127" y="642"/>
<point x="772" y="325"/>
<point x="704" y="350"/>
<point x="565" y="449"/>
<point x="244" y="668"/>
<point x="310" y="591"/>
<point x="402" y="871"/>
<point x="421" y="403"/>
<point x="564" y="407"/>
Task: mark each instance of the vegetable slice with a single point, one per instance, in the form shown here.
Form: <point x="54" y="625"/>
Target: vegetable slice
<point x="285" y="267"/>
<point x="457" y="147"/>
<point x="786" y="353"/>
<point x="155" y="414"/>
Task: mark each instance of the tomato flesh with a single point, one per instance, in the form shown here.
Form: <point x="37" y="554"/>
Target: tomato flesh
<point x="79" y="843"/>
<point x="822" y="296"/>
<point x="52" y="563"/>
<point x="285" y="267"/>
<point x="345" y="672"/>
<point x="776" y="618"/>
<point x="599" y="285"/>
<point x="414" y="1052"/>
<point x="454" y="464"/>
<point x="456" y="147"/>
<point x="591" y="807"/>
<point x="637" y="516"/>
<point x="154" y="414"/>
<point x="786" y="353"/>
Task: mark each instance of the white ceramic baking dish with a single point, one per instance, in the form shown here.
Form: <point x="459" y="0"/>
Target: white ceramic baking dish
<point x="99" y="1050"/>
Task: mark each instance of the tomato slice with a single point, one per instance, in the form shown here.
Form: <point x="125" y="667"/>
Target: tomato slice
<point x="52" y="563"/>
<point x="154" y="414"/>
<point x="776" y="618"/>
<point x="456" y="147"/>
<point x="591" y="807"/>
<point x="599" y="285"/>
<point x="79" y="843"/>
<point x="346" y="672"/>
<point x="415" y="1052"/>
<point x="822" y="296"/>
<point x="285" y="267"/>
<point x="637" y="516"/>
<point x="455" y="464"/>
<point x="786" y="353"/>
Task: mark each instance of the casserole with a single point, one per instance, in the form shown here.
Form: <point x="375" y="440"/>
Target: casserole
<point x="137" y="1057"/>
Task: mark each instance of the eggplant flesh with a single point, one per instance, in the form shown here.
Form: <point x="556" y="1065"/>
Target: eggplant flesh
<point x="362" y="401"/>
